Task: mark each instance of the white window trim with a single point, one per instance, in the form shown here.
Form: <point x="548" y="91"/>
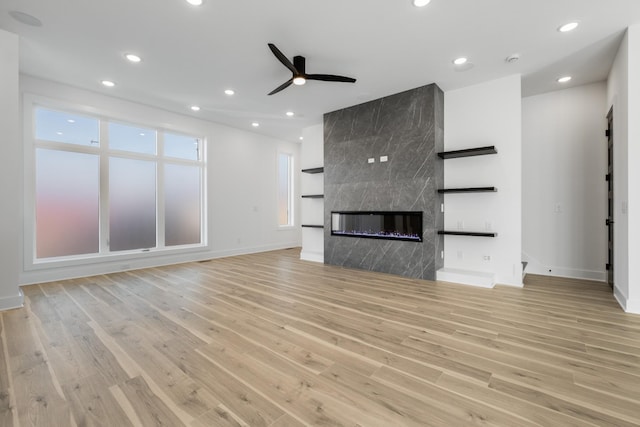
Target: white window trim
<point x="291" y="198"/>
<point x="30" y="262"/>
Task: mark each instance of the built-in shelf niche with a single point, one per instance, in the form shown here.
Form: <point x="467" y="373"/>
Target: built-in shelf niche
<point x="468" y="152"/>
<point x="313" y="196"/>
<point x="313" y="170"/>
<point x="468" y="233"/>
<point x="468" y="190"/>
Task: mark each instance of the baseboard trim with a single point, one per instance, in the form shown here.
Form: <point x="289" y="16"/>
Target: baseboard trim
<point x="536" y="267"/>
<point x="629" y="306"/>
<point x="8" y="303"/>
<point x="466" y="277"/>
<point x="106" y="267"/>
<point x="570" y="273"/>
<point x="311" y="256"/>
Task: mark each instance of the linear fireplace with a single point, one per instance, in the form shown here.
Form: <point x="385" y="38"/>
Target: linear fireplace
<point x="378" y="225"/>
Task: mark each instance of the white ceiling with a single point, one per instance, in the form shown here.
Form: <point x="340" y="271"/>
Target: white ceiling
<point x="190" y="55"/>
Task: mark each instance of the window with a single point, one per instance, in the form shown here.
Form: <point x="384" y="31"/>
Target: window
<point x="67" y="203"/>
<point x="285" y="189"/>
<point x="103" y="187"/>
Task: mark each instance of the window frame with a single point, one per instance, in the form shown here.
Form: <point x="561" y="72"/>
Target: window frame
<point x="291" y="191"/>
<point x="31" y="262"/>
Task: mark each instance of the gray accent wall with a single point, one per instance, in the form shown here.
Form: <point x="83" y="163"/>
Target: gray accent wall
<point x="408" y="127"/>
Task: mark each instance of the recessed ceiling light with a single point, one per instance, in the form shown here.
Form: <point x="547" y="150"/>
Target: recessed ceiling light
<point x="255" y="124"/>
<point x="301" y="138"/>
<point x="299" y="81"/>
<point x="59" y="133"/>
<point x="133" y="57"/>
<point x="25" y="18"/>
<point x="71" y="121"/>
<point x="290" y="113"/>
<point x="421" y="3"/>
<point x="460" y="61"/>
<point x="141" y="134"/>
<point x="229" y="92"/>
<point x="195" y="2"/>
<point x="195" y="108"/>
<point x="108" y="83"/>
<point x="568" y="27"/>
<point x="564" y="79"/>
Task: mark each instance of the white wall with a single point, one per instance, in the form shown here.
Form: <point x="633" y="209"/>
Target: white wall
<point x="10" y="178"/>
<point x="564" y="193"/>
<point x="623" y="95"/>
<point x="633" y="159"/>
<point x="241" y="184"/>
<point x="312" y="155"/>
<point x="475" y="116"/>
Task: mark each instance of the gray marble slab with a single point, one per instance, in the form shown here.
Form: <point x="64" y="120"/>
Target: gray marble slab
<point x="408" y="128"/>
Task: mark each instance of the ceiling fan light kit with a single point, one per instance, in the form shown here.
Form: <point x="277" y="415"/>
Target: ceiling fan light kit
<point x="300" y="75"/>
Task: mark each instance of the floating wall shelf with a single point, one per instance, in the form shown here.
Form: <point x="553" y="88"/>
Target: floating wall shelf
<point x="313" y="196"/>
<point x="480" y="151"/>
<point x="313" y="170"/>
<point x="468" y="233"/>
<point x="467" y="190"/>
<point x="312" y="226"/>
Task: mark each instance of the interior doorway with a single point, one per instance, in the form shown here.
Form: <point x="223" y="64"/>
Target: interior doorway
<point x="609" y="177"/>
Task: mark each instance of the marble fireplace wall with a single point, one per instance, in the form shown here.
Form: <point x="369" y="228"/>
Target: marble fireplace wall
<point x="407" y="128"/>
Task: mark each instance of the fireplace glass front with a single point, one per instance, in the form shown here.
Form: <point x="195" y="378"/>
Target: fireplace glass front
<point x="378" y="225"/>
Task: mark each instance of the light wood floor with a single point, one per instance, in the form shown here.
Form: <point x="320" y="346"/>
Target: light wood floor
<point x="269" y="340"/>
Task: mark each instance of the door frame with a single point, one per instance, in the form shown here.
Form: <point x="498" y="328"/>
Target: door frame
<point x="610" y="197"/>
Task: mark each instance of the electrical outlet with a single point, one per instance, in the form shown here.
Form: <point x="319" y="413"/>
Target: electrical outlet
<point x="460" y="225"/>
<point x="371" y="160"/>
<point x="384" y="159"/>
<point x="460" y="255"/>
<point x="486" y="257"/>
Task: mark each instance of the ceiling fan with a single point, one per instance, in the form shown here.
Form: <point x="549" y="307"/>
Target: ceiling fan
<point x="299" y="75"/>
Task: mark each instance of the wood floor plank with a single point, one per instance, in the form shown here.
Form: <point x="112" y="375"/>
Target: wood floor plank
<point x="624" y="390"/>
<point x="66" y="361"/>
<point x="540" y="415"/>
<point x="149" y="408"/>
<point x="92" y="404"/>
<point x="269" y="340"/>
<point x="287" y="420"/>
<point x="249" y="406"/>
<point x="37" y="401"/>
<point x="218" y="417"/>
<point x="310" y="354"/>
<point x="317" y="399"/>
<point x="6" y="404"/>
<point x="460" y="410"/>
<point x="18" y="331"/>
<point x="565" y="406"/>
<point x="180" y="388"/>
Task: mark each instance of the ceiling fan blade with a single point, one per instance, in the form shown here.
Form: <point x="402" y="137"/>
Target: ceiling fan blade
<point x="282" y="86"/>
<point x="285" y="61"/>
<point x="330" y="78"/>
